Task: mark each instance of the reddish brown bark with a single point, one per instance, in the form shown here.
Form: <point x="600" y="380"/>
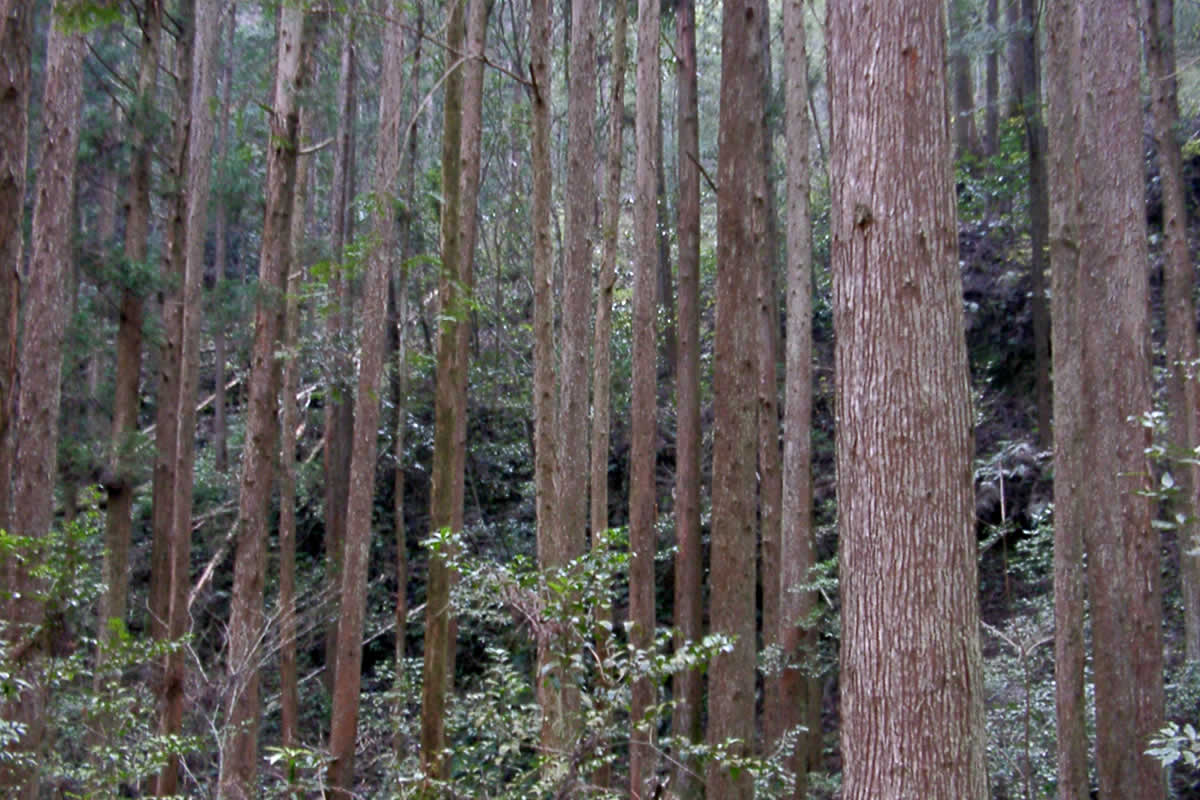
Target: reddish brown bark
<point x="911" y="667"/>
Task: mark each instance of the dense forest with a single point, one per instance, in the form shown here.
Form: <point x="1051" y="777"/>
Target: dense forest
<point x="655" y="399"/>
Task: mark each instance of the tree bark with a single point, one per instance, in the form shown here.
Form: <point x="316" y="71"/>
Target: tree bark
<point x="991" y="124"/>
<point x="741" y="258"/>
<point x="642" y="536"/>
<point x="15" y="49"/>
<point x="239" y="751"/>
<point x="688" y="689"/>
<point x="366" y="416"/>
<point x="119" y="527"/>
<point x="799" y="694"/>
<point x="1101" y="332"/>
<point x="1181" y="308"/>
<point x="40" y="368"/>
<point x="966" y="134"/>
<point x="461" y="141"/>
<point x="911" y="666"/>
<point x="221" y="237"/>
<point x="339" y="397"/>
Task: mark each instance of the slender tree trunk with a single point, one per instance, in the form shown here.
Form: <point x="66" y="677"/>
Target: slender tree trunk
<point x="642" y="536"/>
<point x="339" y="395"/>
<point x="239" y="751"/>
<point x="1101" y="329"/>
<point x="602" y="333"/>
<point x="911" y="667"/>
<point x="966" y="135"/>
<point x="1028" y="90"/>
<point x="187" y="298"/>
<point x="119" y="480"/>
<point x="991" y="125"/>
<point x="289" y="701"/>
<point x="545" y="392"/>
<point x="687" y="718"/>
<point x="40" y="367"/>
<point x="799" y="694"/>
<point x="461" y="140"/>
<point x="741" y="258"/>
<point x="366" y="415"/>
<point x="1070" y="508"/>
<point x="221" y="237"/>
<point x="14" y="134"/>
<point x="1181" y="309"/>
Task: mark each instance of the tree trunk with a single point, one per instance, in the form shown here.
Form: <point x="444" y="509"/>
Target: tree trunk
<point x="991" y="125"/>
<point x="186" y="313"/>
<point x="741" y="258"/>
<point x="602" y="333"/>
<point x="688" y="689"/>
<point x="239" y="751"/>
<point x="1028" y="90"/>
<point x="221" y="237"/>
<point x="911" y="667"/>
<point x="120" y="483"/>
<point x="40" y="367"/>
<point x="1102" y="382"/>
<point x="642" y="536"/>
<point x="966" y="135"/>
<point x="366" y="417"/>
<point x="339" y="396"/>
<point x="14" y="135"/>
<point x="799" y="694"/>
<point x="461" y="140"/>
<point x="289" y="693"/>
<point x="1181" y="309"/>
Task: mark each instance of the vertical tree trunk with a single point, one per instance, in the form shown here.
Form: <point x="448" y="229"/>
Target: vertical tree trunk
<point x="545" y="391"/>
<point x="602" y="341"/>
<point x="239" y="752"/>
<point x="289" y="692"/>
<point x="1070" y="509"/>
<point x="14" y="135"/>
<point x="966" y="135"/>
<point x="991" y="125"/>
<point x="1181" y="308"/>
<point x="339" y="398"/>
<point x="40" y="366"/>
<point x="799" y="694"/>
<point x="911" y="667"/>
<point x="366" y="416"/>
<point x="1101" y="330"/>
<point x="461" y="140"/>
<point x="119" y="528"/>
<point x="221" y="237"/>
<point x="1028" y="90"/>
<point x="687" y="719"/>
<point x="642" y="536"/>
<point x="741" y="258"/>
<point x="186" y="315"/>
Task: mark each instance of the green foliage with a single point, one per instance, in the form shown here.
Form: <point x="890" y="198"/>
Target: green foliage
<point x="996" y="187"/>
<point x="100" y="717"/>
<point x="1176" y="744"/>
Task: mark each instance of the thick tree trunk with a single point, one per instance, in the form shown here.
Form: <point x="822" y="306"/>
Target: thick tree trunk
<point x="239" y="751"/>
<point x="366" y="416"/>
<point x="687" y="717"/>
<point x="799" y="694"/>
<point x="1101" y="330"/>
<point x="911" y="667"/>
<point x="40" y="368"/>
<point x="741" y="258"/>
<point x="14" y="135"/>
<point x="642" y="536"/>
<point x="1181" y="308"/>
<point x="462" y="135"/>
